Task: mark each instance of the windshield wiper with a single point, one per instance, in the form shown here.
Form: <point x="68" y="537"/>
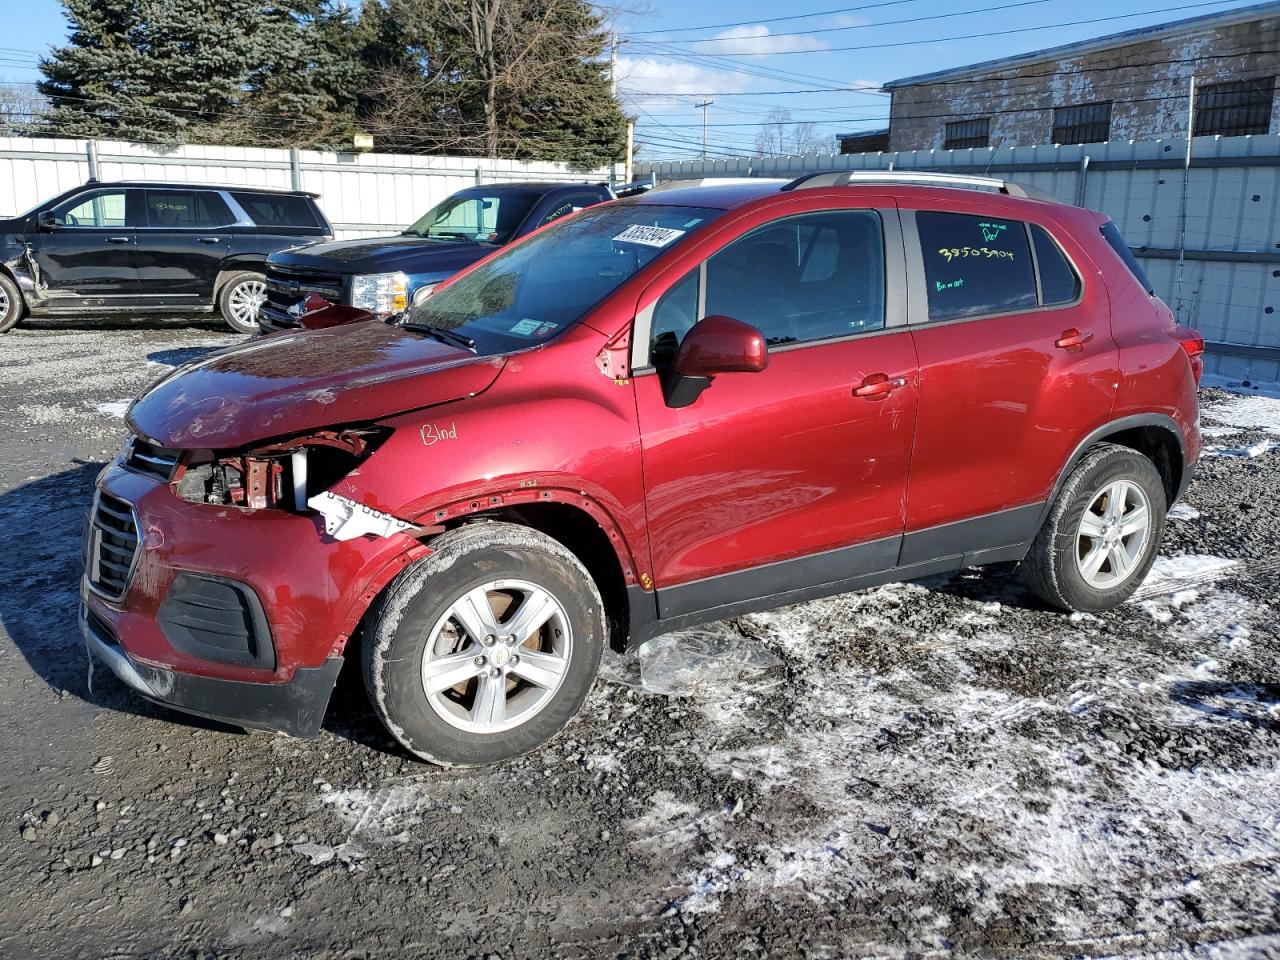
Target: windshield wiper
<point x="442" y="334"/>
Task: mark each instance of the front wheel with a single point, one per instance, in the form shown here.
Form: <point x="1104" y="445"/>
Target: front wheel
<point x="1100" y="538"/>
<point x="240" y="298"/>
<point x="485" y="649"/>
<point x="11" y="305"/>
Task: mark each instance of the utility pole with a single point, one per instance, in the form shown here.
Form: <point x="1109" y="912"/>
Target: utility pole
<point x="703" y="107"/>
<point x="613" y="65"/>
<point x="1186" y="186"/>
<point x="631" y="150"/>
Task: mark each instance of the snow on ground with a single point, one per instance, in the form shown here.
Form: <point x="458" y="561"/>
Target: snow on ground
<point x="937" y="769"/>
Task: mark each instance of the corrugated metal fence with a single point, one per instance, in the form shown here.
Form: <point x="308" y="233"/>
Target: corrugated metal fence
<point x="363" y="194"/>
<point x="1231" y="279"/>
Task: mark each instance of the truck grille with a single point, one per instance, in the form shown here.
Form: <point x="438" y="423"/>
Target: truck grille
<point x="112" y="546"/>
<point x="286" y="286"/>
<point x="150" y="460"/>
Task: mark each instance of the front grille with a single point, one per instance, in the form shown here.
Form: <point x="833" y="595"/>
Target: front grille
<point x="112" y="546"/>
<point x="285" y="287"/>
<point x="150" y="460"/>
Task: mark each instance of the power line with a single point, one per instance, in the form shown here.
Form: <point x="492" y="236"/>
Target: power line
<point x="796" y="16"/>
<point x="1021" y="78"/>
<point x="863" y="26"/>
<point x="983" y="35"/>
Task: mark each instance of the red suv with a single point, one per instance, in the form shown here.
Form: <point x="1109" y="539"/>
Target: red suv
<point x="691" y="404"/>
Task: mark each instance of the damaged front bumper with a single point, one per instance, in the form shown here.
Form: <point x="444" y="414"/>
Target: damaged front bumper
<point x="295" y="707"/>
<point x="226" y="612"/>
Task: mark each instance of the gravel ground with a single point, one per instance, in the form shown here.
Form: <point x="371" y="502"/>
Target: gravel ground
<point x="919" y="770"/>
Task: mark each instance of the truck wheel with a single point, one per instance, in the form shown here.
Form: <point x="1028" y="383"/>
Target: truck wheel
<point x="239" y="299"/>
<point x="11" y="305"/>
<point x="1101" y="536"/>
<point x="485" y="649"/>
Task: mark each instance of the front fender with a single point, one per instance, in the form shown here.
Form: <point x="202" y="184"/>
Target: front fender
<point x="537" y="435"/>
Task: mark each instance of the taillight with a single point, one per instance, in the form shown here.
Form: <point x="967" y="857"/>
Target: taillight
<point x="1192" y="344"/>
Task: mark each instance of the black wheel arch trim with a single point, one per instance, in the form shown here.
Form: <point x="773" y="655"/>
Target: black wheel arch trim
<point x="1112" y="427"/>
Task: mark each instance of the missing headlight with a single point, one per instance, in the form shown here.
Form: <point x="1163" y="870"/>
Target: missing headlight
<point x="283" y="475"/>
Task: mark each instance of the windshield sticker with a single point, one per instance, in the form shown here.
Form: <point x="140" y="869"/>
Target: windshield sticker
<point x="525" y="327"/>
<point x="648" y="236"/>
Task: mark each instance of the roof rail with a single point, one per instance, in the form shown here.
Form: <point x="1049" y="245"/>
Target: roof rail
<point x="846" y="178"/>
<point x="709" y="182"/>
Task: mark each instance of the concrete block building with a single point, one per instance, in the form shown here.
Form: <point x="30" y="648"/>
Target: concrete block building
<point x="1126" y="86"/>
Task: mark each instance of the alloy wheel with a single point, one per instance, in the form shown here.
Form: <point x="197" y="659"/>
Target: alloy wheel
<point x="497" y="656"/>
<point x="245" y="300"/>
<point x="1113" y="534"/>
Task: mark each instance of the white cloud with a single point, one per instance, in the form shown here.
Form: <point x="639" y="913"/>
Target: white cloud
<point x="648" y="75"/>
<point x="758" y="40"/>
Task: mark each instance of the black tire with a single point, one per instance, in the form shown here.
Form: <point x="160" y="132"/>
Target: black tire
<point x="406" y="614"/>
<point x="1050" y="569"/>
<point x="231" y="286"/>
<point x="12" y="305"/>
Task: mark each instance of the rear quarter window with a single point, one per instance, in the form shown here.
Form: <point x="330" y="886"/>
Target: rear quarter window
<point x="975" y="266"/>
<point x="1113" y="237"/>
<point x="278" y="210"/>
<point x="1058" y="281"/>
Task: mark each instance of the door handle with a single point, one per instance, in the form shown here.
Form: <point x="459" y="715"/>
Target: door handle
<point x="117" y="239"/>
<point x="1072" y="339"/>
<point x="877" y="386"/>
<point x="210" y="239"/>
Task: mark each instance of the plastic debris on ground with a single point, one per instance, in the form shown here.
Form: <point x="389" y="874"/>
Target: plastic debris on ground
<point x="704" y="662"/>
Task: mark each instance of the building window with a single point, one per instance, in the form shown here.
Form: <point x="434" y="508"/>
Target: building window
<point x="1086" y="123"/>
<point x="968" y="133"/>
<point x="1235" y="109"/>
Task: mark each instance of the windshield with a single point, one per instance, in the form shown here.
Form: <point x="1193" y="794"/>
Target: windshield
<point x="540" y="287"/>
<point x="476" y="216"/>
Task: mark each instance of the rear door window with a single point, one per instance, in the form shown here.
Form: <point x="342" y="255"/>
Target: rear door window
<point x="186" y="210"/>
<point x="277" y="210"/>
<point x="975" y="265"/>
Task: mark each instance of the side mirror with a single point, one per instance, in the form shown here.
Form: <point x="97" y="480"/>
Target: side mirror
<point x="718" y="345"/>
<point x="49" y="222"/>
<point x="714" y="345"/>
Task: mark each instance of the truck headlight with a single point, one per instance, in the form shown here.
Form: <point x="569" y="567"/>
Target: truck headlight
<point x="382" y="293"/>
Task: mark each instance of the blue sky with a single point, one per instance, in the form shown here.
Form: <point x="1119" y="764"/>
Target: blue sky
<point x="663" y="74"/>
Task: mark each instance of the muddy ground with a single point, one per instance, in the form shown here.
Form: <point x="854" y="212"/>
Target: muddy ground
<point x="923" y="770"/>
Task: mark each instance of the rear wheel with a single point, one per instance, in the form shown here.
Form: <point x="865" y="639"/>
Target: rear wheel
<point x="485" y="649"/>
<point x="241" y="296"/>
<point x="1101" y="536"/>
<point x="11" y="305"/>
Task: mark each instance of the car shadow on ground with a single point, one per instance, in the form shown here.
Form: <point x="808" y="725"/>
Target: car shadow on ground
<point x="998" y="583"/>
<point x="179" y="355"/>
<point x="126" y="322"/>
<point x="39" y="609"/>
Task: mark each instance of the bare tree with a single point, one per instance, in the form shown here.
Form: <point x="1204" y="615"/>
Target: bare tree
<point x="21" y="108"/>
<point x="780" y="135"/>
<point x="500" y="78"/>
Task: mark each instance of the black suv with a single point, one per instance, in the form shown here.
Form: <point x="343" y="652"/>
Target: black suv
<point x="134" y="247"/>
<point x="387" y="275"/>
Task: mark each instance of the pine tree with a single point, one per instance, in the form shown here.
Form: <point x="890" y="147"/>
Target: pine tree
<point x="223" y="71"/>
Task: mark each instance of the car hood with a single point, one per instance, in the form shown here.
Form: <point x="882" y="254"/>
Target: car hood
<point x="384" y="255"/>
<point x="291" y="382"/>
